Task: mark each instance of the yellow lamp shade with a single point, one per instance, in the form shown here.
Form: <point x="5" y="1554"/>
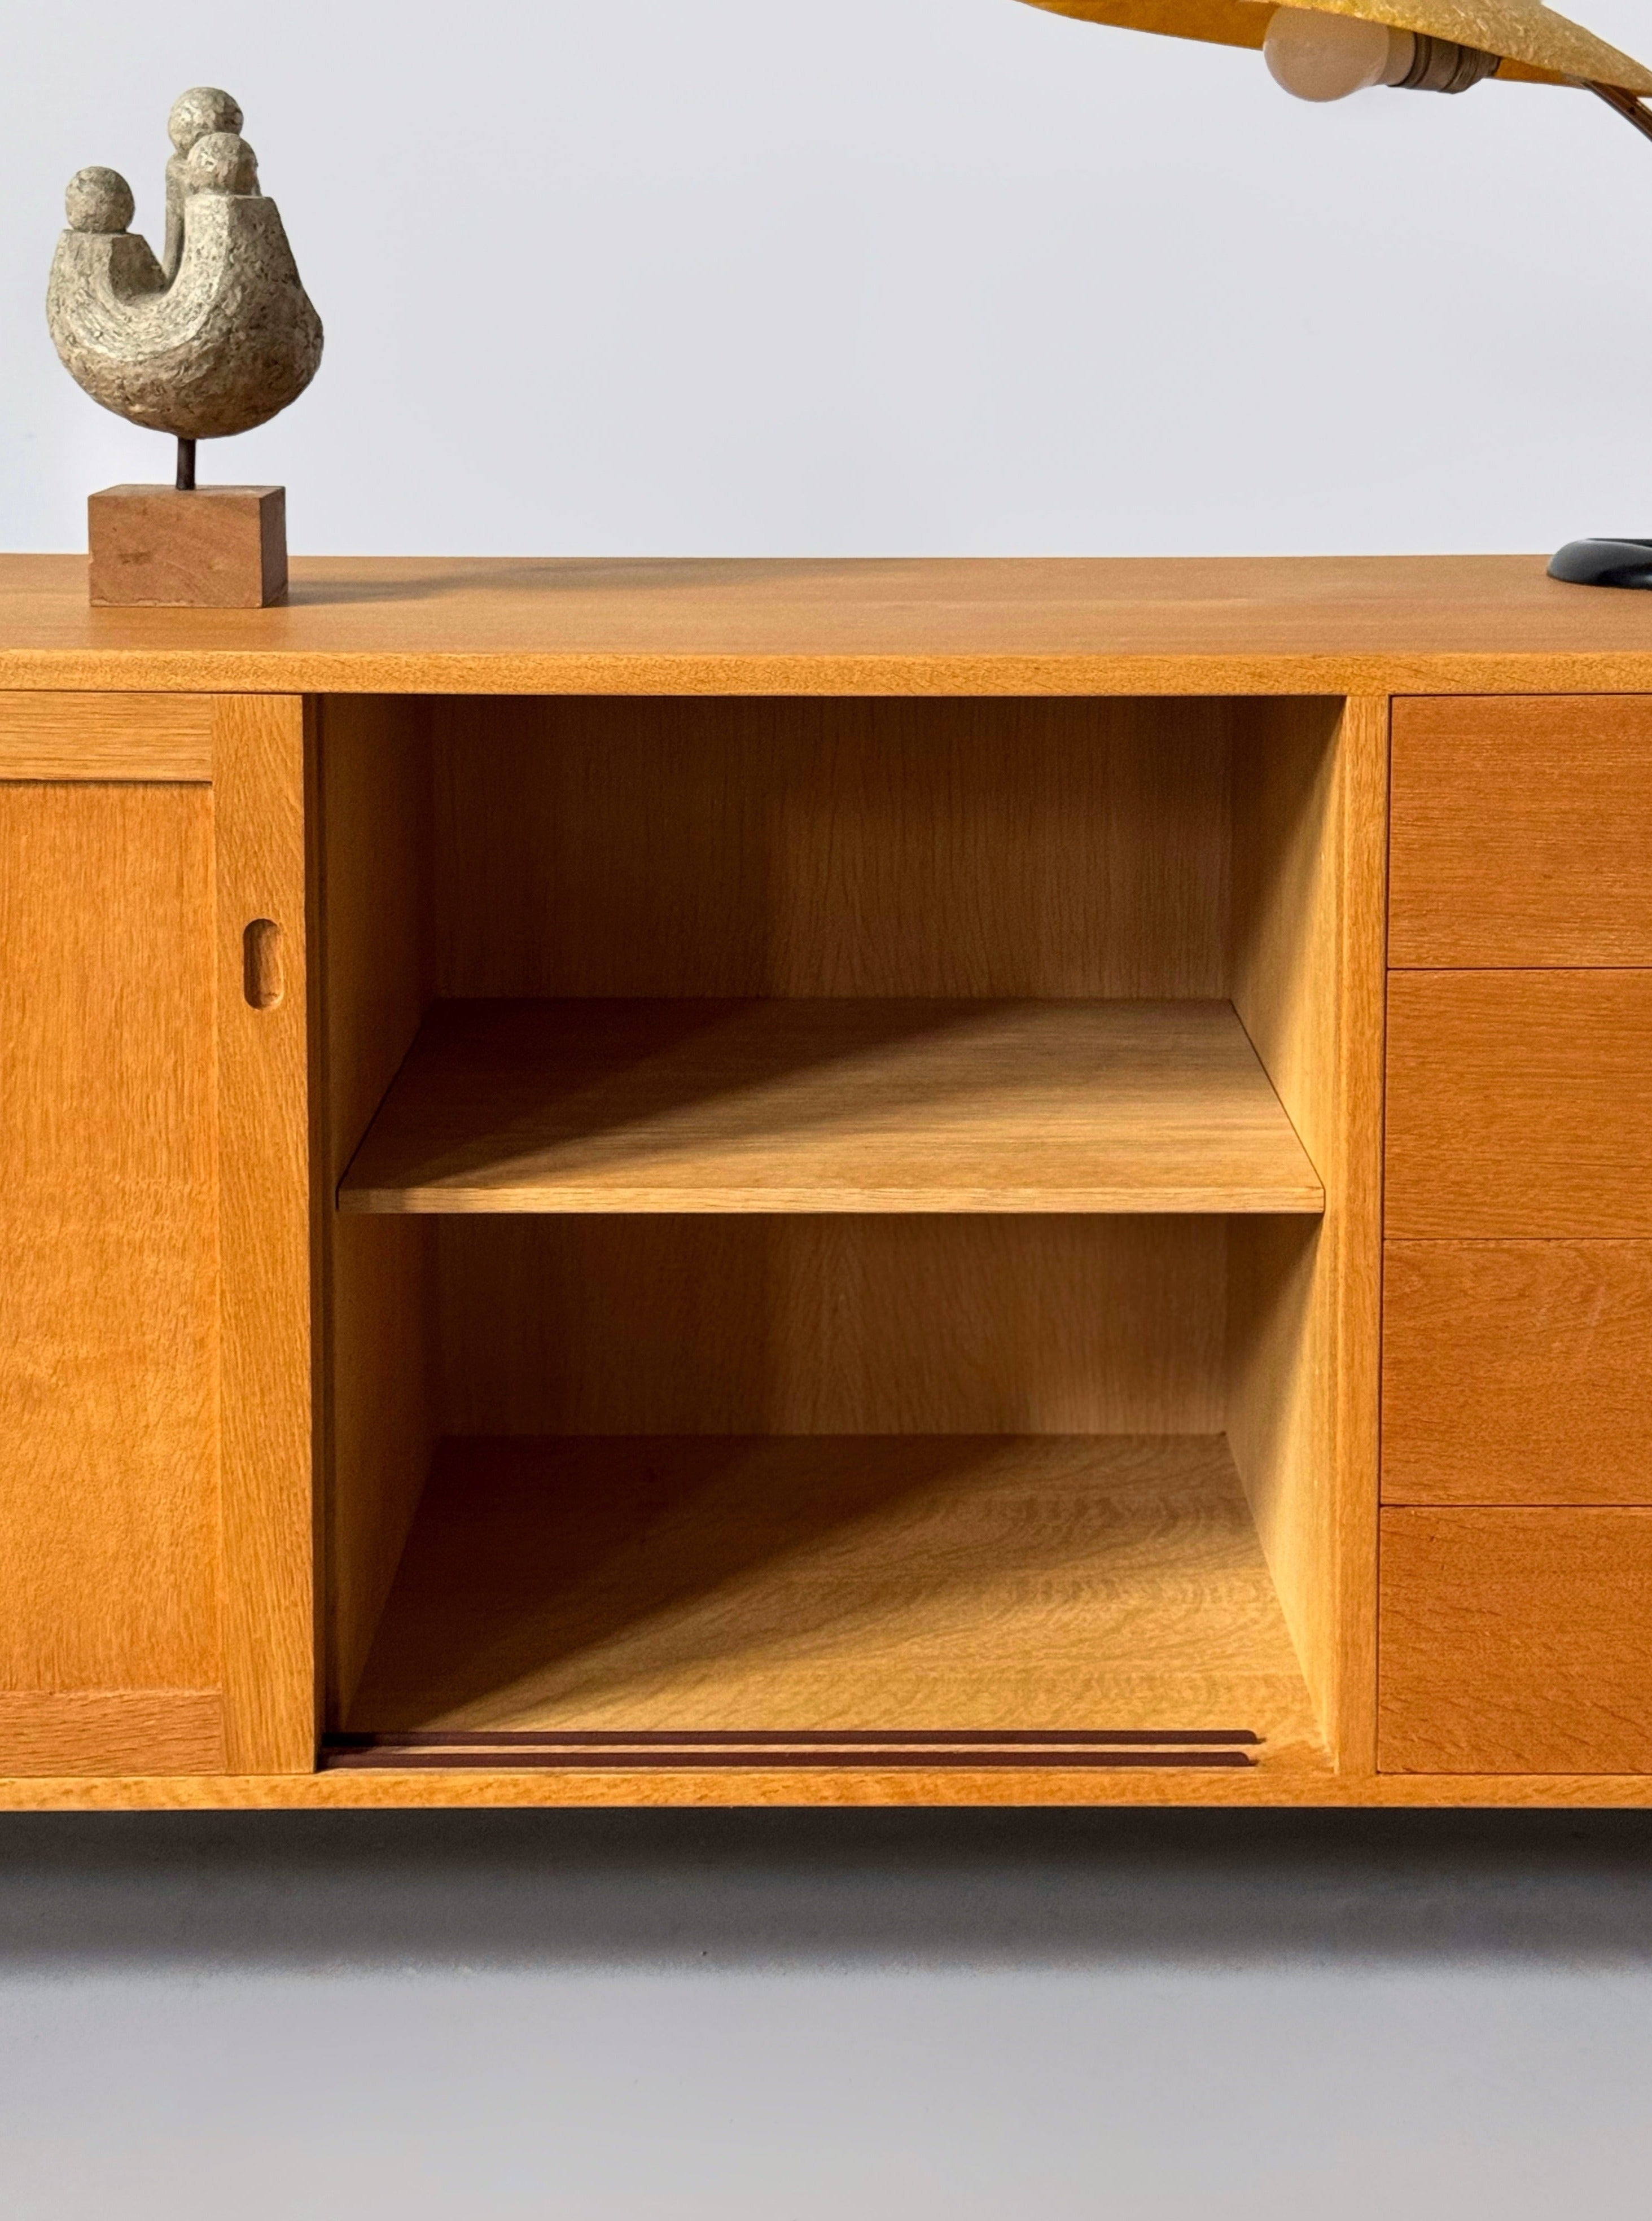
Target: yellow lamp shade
<point x="1534" y="42"/>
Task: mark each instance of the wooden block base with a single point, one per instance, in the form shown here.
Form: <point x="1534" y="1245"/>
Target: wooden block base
<point x="219" y="548"/>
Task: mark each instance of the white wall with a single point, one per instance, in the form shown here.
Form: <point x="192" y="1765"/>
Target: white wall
<point x="884" y="276"/>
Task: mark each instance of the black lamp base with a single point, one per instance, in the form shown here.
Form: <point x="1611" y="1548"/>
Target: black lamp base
<point x="1604" y="563"/>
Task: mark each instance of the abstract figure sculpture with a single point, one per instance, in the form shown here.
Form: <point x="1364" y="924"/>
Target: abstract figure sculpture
<point x="215" y="339"/>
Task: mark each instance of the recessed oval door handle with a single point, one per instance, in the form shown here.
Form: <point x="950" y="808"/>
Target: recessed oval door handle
<point x="260" y="963"/>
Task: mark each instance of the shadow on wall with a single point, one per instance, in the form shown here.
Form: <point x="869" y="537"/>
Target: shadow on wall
<point x="308" y="1890"/>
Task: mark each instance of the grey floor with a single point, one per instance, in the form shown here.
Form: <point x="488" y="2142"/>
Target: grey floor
<point x="793" y="2017"/>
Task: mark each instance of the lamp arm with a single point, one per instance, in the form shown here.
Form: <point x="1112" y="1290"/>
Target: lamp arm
<point x="1626" y="105"/>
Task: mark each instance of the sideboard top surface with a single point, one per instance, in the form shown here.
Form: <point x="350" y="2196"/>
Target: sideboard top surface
<point x="1058" y="625"/>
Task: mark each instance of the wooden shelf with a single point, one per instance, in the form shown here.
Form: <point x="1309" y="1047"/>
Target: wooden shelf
<point x="831" y="1105"/>
<point x="894" y="1583"/>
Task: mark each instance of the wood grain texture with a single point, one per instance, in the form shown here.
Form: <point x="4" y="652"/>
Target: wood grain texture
<point x="900" y="1582"/>
<point x="1519" y="1103"/>
<point x="1283" y="1787"/>
<point x="1517" y="1373"/>
<point x="118" y="1732"/>
<point x="830" y="1105"/>
<point x="839" y="1325"/>
<point x="214" y="547"/>
<point x="809" y="848"/>
<point x="1522" y="831"/>
<point x="109" y="1291"/>
<point x="1517" y="1642"/>
<point x="105" y="736"/>
<point x="373" y="857"/>
<point x="1218" y="626"/>
<point x="268" y="1499"/>
<point x="1310" y="783"/>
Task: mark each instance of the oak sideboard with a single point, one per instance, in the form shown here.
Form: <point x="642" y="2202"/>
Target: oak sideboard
<point x="718" y="1182"/>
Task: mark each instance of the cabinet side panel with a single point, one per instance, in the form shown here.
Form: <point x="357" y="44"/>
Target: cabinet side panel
<point x="1309" y="876"/>
<point x="109" y="1267"/>
<point x="374" y="785"/>
<point x="259" y="746"/>
<point x="772" y="848"/>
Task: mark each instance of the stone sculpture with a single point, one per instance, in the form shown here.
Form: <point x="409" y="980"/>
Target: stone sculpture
<point x="212" y="339"/>
<point x="218" y="336"/>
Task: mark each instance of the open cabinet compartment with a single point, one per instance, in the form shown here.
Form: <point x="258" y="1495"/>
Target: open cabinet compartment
<point x="841" y="1226"/>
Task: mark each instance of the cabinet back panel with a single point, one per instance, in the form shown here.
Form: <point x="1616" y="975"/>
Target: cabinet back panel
<point x="926" y="1325"/>
<point x="848" y="848"/>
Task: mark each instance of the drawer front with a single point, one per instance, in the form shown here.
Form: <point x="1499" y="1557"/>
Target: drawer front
<point x="1516" y="1641"/>
<point x="1517" y="1373"/>
<point x="1519" y="1103"/>
<point x="1522" y="831"/>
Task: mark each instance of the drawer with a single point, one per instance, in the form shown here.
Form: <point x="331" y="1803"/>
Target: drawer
<point x="1516" y="1641"/>
<point x="1521" y="831"/>
<point x="1519" y="1103"/>
<point x="1517" y="1373"/>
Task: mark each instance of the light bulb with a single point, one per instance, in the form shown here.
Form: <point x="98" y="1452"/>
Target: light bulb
<point x="1327" y="57"/>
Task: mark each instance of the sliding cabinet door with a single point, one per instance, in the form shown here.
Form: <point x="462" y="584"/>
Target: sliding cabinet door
<point x="154" y="1237"/>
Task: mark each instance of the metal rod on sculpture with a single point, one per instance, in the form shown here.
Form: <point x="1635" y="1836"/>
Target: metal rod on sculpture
<point x="1627" y="106"/>
<point x="185" y="480"/>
